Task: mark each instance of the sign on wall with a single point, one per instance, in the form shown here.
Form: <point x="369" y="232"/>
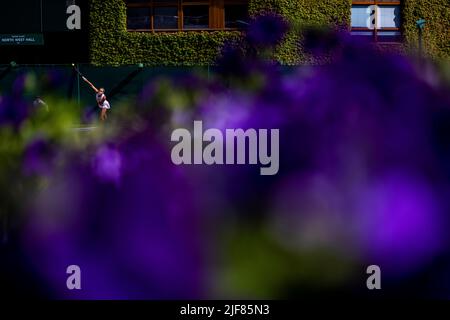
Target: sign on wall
<point x="44" y="31"/>
<point x="22" y="39"/>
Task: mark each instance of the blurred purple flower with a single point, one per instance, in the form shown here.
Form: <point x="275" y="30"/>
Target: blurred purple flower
<point x="267" y="30"/>
<point x="360" y="117"/>
<point x="400" y="223"/>
<point x="139" y="239"/>
<point x="18" y="87"/>
<point x="107" y="164"/>
<point x="39" y="157"/>
<point x="13" y="111"/>
<point x="130" y="219"/>
<point x="320" y="41"/>
<point x="89" y="114"/>
<point x="233" y="61"/>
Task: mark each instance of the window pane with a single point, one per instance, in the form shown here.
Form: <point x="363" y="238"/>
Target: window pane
<point x="389" y="36"/>
<point x="387" y="1"/>
<point x="165" y="18"/>
<point x="362" y="33"/>
<point x="196" y="17"/>
<point x="389" y="16"/>
<point x="363" y="16"/>
<point x="368" y="35"/>
<point x="165" y="2"/>
<point x="236" y="16"/>
<point x="138" y="18"/>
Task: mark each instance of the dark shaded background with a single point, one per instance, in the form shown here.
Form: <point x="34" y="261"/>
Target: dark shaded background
<point x="60" y="44"/>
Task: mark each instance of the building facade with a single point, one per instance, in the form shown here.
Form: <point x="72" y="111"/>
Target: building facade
<point x="191" y="32"/>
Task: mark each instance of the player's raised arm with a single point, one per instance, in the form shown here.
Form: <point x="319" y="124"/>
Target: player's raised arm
<point x="90" y="84"/>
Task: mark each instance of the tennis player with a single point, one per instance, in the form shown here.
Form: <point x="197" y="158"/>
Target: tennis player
<point x="100" y="97"/>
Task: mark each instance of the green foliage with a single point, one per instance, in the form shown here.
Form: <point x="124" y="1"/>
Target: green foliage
<point x="258" y="266"/>
<point x="436" y="36"/>
<point x="47" y="124"/>
<point x="306" y="12"/>
<point x="111" y="44"/>
<point x="303" y="14"/>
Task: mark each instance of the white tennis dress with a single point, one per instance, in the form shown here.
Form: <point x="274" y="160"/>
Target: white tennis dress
<point x="103" y="105"/>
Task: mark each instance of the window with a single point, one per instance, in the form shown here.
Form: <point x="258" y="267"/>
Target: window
<point x="144" y="15"/>
<point x="377" y="19"/>
<point x="138" y="18"/>
<point x="236" y="15"/>
<point x="165" y="18"/>
<point x="174" y="15"/>
<point x="195" y="17"/>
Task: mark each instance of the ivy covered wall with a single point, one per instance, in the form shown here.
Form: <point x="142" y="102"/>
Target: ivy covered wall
<point x="303" y="13"/>
<point x="437" y="29"/>
<point x="111" y="44"/>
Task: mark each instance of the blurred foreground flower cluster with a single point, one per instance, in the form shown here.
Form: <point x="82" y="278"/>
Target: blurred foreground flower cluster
<point x="364" y="180"/>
